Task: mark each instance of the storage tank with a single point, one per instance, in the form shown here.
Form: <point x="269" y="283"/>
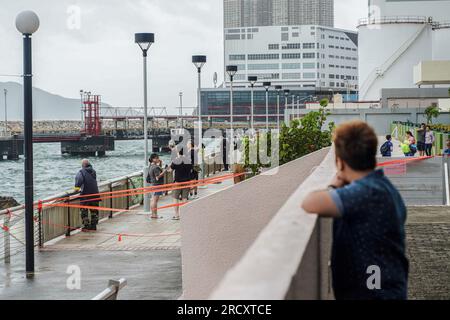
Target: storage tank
<point x="441" y="42"/>
<point x="388" y="53"/>
<point x="396" y="36"/>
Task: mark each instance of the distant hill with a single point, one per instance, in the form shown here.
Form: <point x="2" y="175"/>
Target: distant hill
<point x="46" y="106"/>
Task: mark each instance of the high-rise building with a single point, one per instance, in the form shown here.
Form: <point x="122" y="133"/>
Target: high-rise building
<point x="253" y="13"/>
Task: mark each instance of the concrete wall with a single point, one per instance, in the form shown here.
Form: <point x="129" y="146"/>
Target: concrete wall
<point x="217" y="230"/>
<point x="290" y="258"/>
<point x="379" y="119"/>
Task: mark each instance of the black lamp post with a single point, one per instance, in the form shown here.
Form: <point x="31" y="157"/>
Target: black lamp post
<point x="267" y="87"/>
<point x="278" y="88"/>
<point x="231" y="71"/>
<point x="252" y="80"/>
<point x="27" y="23"/>
<point x="144" y="41"/>
<point x="286" y="96"/>
<point x="199" y="62"/>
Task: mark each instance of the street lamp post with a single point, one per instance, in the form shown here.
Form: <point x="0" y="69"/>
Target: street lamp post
<point x="278" y="88"/>
<point x="6" y="111"/>
<point x="286" y="95"/>
<point x="145" y="40"/>
<point x="267" y="87"/>
<point x="252" y="80"/>
<point x="27" y="23"/>
<point x="231" y="71"/>
<point x="199" y="62"/>
<point x="298" y="106"/>
<point x="181" y="109"/>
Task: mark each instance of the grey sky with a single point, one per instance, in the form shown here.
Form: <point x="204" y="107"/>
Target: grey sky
<point x="100" y="55"/>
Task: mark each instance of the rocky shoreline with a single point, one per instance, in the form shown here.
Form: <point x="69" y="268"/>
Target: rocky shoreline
<point x="8" y="202"/>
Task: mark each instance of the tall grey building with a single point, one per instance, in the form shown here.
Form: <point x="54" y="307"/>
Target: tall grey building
<point x="250" y="13"/>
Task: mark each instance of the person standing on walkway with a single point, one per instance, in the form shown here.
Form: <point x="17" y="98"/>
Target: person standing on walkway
<point x="387" y="148"/>
<point x="368" y="251"/>
<point x="86" y="184"/>
<point x="156" y="179"/>
<point x="193" y="151"/>
<point x="421" y="133"/>
<point x="429" y="141"/>
<point x="182" y="167"/>
<point x="408" y="146"/>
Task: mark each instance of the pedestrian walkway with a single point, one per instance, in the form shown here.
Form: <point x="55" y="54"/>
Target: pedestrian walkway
<point x="130" y="245"/>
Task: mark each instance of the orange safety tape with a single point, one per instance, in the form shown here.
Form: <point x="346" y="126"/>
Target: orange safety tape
<point x="75" y="206"/>
<point x="402" y="161"/>
<point x="164" y="188"/>
<point x="150" y="189"/>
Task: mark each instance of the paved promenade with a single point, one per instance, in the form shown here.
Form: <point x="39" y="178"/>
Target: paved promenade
<point x="428" y="238"/>
<point x="147" y="255"/>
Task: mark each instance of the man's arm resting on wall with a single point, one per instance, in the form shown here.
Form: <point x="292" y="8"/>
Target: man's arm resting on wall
<point x="322" y="204"/>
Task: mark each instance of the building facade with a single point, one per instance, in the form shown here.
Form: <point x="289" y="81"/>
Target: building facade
<point x="396" y="36"/>
<point x="251" y="13"/>
<point x="301" y="56"/>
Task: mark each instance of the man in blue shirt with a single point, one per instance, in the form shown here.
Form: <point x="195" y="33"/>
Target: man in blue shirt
<point x="387" y="148"/>
<point x="368" y="253"/>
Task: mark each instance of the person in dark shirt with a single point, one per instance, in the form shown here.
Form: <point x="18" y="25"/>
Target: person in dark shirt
<point x="195" y="167"/>
<point x="368" y="252"/>
<point x="387" y="148"/>
<point x="86" y="184"/>
<point x="156" y="179"/>
<point x="182" y="167"/>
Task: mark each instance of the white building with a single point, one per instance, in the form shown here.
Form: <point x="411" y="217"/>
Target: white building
<point x="294" y="56"/>
<point x="396" y="36"/>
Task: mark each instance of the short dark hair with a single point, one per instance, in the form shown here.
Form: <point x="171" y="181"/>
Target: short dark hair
<point x="356" y="144"/>
<point x="153" y="157"/>
<point x="410" y="133"/>
<point x="388" y="137"/>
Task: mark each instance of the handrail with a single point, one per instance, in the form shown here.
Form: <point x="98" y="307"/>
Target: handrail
<point x="112" y="291"/>
<point x="393" y="20"/>
<point x="289" y="259"/>
<point x="66" y="194"/>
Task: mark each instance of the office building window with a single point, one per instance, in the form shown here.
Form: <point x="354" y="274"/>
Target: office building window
<point x="309" y="75"/>
<point x="309" y="65"/>
<point x="232" y="37"/>
<point x="309" y="55"/>
<point x="263" y="66"/>
<point x="274" y="46"/>
<point x="270" y="56"/>
<point x="292" y="46"/>
<point x="309" y="46"/>
<point x="285" y="37"/>
<point x="292" y="56"/>
<point x="236" y="57"/>
<point x="291" y="76"/>
<point x="291" y="66"/>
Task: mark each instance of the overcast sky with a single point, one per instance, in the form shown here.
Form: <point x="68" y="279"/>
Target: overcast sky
<point x="94" y="50"/>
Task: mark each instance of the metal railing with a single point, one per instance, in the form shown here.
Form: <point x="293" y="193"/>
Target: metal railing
<point x="394" y="20"/>
<point x="112" y="291"/>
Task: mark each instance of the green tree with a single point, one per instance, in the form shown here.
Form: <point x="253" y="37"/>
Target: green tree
<point x="306" y="135"/>
<point x="432" y="112"/>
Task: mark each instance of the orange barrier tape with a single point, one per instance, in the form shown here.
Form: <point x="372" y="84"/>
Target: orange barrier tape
<point x="75" y="206"/>
<point x="402" y="161"/>
<point x="165" y="188"/>
<point x="149" y="189"/>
